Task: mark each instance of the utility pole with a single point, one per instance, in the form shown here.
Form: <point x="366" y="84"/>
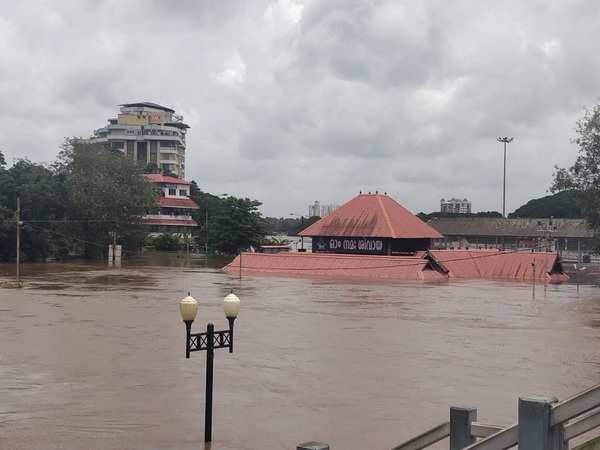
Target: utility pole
<point x="18" y="221"/>
<point x="505" y="140"/>
<point x="206" y="226"/>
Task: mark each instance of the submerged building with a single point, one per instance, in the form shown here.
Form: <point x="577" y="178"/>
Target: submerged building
<point x="371" y="224"/>
<point x="373" y="236"/>
<point x="147" y="133"/>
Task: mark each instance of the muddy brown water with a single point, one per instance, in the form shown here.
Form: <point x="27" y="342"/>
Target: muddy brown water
<point x="93" y="358"/>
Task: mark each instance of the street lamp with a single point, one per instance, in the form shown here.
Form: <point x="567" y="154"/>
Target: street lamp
<point x="505" y="140"/>
<point x="209" y="341"/>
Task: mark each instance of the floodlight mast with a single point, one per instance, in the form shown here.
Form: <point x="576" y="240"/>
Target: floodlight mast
<point x="505" y="140"/>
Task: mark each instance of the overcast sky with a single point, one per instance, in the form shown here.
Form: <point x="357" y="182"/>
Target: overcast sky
<point x="292" y="101"/>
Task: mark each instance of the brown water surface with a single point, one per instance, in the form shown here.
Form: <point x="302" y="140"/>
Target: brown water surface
<point x="93" y="358"/>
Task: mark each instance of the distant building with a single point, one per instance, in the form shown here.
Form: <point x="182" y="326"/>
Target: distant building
<point x="563" y="235"/>
<point x="318" y="210"/>
<point x="176" y="206"/>
<point x="455" y="206"/>
<point x="328" y="209"/>
<point x="314" y="210"/>
<point x="149" y="134"/>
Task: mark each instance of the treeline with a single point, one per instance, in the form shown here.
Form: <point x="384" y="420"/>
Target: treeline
<point x="290" y="226"/>
<point x="74" y="206"/>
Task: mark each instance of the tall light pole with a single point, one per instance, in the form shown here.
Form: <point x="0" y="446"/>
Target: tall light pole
<point x="505" y="140"/>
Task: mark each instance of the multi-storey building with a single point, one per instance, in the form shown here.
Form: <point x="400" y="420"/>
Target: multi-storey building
<point x="328" y="209"/>
<point x="149" y="134"/>
<point x="314" y="210"/>
<point x="455" y="206"/>
<point x="318" y="210"/>
<point x="175" y="205"/>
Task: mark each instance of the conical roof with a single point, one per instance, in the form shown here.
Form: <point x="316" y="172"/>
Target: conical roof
<point x="372" y="215"/>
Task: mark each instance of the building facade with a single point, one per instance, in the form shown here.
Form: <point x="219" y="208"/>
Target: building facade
<point x="455" y="206"/>
<point x="570" y="237"/>
<point x="175" y="205"/>
<point x="148" y="134"/>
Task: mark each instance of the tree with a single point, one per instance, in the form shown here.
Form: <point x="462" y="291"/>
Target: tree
<point x="107" y="193"/>
<point x="235" y="224"/>
<point x="584" y="174"/>
<point x="562" y="205"/>
<point x="151" y="168"/>
<point x="42" y="205"/>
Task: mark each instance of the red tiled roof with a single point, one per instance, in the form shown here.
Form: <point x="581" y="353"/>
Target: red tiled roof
<point x="434" y="266"/>
<point x="372" y="215"/>
<point x="158" y="178"/>
<point x="490" y="264"/>
<point x="174" y="222"/>
<point x="336" y="265"/>
<point x="177" y="202"/>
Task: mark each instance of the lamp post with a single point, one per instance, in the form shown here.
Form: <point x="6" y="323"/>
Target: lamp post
<point x="505" y="140"/>
<point x="209" y="341"/>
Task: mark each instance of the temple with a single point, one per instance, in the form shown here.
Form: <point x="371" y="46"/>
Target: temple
<point x="371" y="224"/>
<point x="372" y="236"/>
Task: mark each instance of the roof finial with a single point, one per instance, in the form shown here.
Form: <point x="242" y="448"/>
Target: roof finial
<point x="376" y="192"/>
<point x="359" y="192"/>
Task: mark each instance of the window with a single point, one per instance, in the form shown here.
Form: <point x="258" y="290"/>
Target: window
<point x="172" y="191"/>
<point x="182" y="193"/>
<point x="118" y="145"/>
<point x="167" y="143"/>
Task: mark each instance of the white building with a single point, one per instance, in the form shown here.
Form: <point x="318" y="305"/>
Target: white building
<point x="318" y="210"/>
<point x="149" y="134"/>
<point x="314" y="210"/>
<point x="455" y="206"/>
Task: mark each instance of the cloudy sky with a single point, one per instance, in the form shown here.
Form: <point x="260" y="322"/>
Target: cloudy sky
<point x="291" y="101"/>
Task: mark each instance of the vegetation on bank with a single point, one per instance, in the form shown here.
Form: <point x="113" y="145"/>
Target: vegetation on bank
<point x="73" y="207"/>
<point x="562" y="205"/>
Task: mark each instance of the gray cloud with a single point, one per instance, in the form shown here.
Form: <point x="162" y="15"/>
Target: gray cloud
<point x="296" y="100"/>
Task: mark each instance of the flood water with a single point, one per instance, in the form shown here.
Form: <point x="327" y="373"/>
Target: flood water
<point x="94" y="358"/>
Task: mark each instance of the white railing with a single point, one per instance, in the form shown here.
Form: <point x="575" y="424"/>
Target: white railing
<point x="166" y="217"/>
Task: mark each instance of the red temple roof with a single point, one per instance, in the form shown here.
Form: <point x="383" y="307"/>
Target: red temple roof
<point x="159" y="178"/>
<point x="372" y="215"/>
<point x="177" y="203"/>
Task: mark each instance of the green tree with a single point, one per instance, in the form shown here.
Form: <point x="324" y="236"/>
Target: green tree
<point x="166" y="242"/>
<point x="584" y="174"/>
<point x="42" y="206"/>
<point x="151" y="168"/>
<point x="107" y="193"/>
<point x="562" y="205"/>
<point x="234" y="224"/>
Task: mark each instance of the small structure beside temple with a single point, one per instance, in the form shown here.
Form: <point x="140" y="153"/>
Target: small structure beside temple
<point x="175" y="206"/>
<point x="373" y="224"/>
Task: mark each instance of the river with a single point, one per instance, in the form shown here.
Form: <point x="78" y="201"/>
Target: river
<point x="93" y="357"/>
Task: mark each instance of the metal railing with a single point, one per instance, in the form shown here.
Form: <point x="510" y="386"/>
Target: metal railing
<point x="544" y="424"/>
